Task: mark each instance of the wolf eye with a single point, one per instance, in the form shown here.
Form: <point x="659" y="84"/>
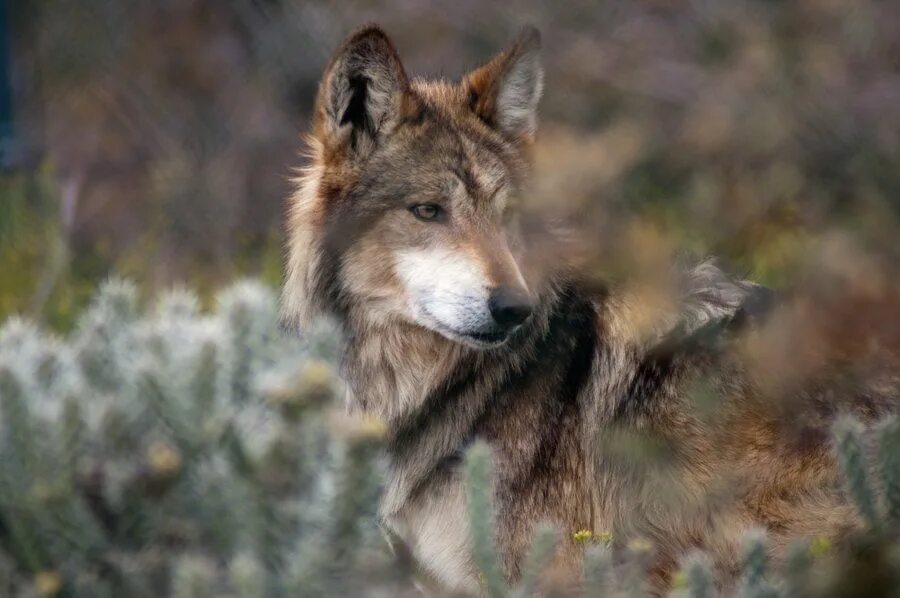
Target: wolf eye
<point x="426" y="211"/>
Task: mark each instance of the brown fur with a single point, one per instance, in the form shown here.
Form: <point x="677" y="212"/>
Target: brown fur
<point x="591" y="408"/>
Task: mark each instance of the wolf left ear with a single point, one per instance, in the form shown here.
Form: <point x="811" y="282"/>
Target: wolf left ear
<point x="505" y="92"/>
<point x="363" y="93"/>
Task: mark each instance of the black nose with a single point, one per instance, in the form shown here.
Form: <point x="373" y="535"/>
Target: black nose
<point x="509" y="307"/>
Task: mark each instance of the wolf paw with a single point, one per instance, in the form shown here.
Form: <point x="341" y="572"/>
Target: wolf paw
<point x="712" y="296"/>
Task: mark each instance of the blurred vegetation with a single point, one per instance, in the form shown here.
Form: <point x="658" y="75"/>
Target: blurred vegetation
<point x="162" y="136"/>
<point x="183" y="453"/>
<point x="165" y="132"/>
<point x="173" y="451"/>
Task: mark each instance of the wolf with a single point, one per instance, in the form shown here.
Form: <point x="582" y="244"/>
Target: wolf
<point x="406" y="227"/>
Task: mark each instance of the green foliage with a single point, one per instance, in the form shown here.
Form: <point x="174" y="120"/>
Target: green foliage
<point x="889" y="453"/>
<point x="755" y="567"/>
<point x="848" y="438"/>
<point x="181" y="453"/>
<point x="546" y="539"/>
<point x="34" y="256"/>
<point x="699" y="577"/>
<point x="597" y="570"/>
<point x="171" y="451"/>
<point x="480" y="506"/>
<point x="616" y="571"/>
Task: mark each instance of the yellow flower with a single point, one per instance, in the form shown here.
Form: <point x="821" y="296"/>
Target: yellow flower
<point x="679" y="580"/>
<point x="586" y="535"/>
<point x="163" y="459"/>
<point x="583" y="535"/>
<point x="820" y="546"/>
<point x="47" y="583"/>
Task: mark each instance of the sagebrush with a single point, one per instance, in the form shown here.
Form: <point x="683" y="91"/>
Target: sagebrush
<point x="176" y="452"/>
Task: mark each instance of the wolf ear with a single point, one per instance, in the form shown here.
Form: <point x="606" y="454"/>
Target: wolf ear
<point x="505" y="92"/>
<point x="362" y="94"/>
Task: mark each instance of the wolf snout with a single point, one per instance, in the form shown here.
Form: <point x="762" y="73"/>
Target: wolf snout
<point x="509" y="307"/>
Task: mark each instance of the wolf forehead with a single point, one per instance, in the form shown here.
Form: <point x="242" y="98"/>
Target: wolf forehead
<point x="436" y="154"/>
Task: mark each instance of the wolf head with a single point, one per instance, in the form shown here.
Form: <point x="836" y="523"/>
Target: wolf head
<point x="408" y="210"/>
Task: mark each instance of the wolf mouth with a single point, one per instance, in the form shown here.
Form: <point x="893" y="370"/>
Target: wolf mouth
<point x="492" y="338"/>
<point x="487" y="337"/>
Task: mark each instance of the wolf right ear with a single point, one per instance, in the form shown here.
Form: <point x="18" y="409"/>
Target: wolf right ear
<point x="362" y="95"/>
<point x="504" y="93"/>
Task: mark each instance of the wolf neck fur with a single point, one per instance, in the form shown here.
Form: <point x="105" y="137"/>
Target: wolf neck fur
<point x="414" y="379"/>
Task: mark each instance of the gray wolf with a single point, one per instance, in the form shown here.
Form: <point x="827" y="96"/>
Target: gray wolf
<point x="405" y="227"/>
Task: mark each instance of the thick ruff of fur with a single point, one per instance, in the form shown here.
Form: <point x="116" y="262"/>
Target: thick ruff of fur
<point x="594" y="408"/>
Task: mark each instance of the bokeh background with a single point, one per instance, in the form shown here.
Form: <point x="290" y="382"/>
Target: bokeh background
<point x="156" y="139"/>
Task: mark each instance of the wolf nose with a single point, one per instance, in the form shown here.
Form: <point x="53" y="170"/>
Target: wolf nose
<point x="509" y="307"/>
